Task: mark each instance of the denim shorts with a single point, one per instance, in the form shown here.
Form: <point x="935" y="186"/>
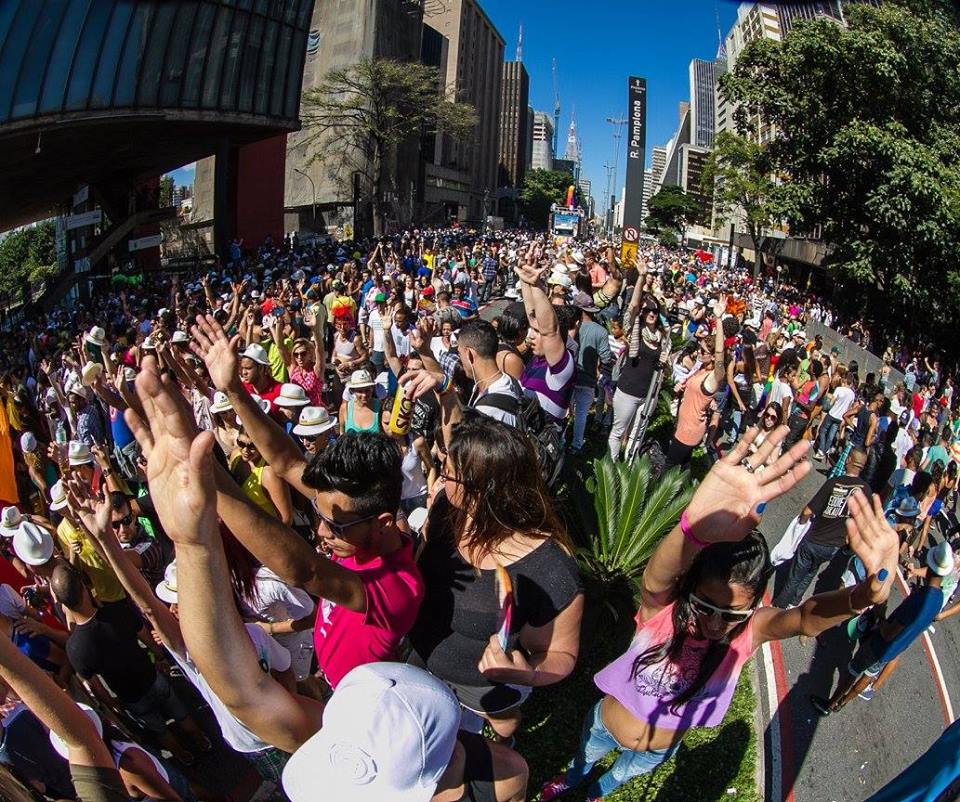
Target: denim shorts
<point x="865" y="661"/>
<point x="157" y="705"/>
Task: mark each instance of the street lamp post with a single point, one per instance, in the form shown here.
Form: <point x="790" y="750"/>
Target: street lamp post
<point x="313" y="187"/>
<point x="617" y="123"/>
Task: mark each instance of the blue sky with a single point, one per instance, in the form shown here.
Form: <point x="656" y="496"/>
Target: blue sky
<point x="597" y="46"/>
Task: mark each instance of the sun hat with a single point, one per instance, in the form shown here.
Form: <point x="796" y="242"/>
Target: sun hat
<point x="560" y="280"/>
<point x="80" y="391"/>
<point x="167" y="588"/>
<point x="58" y="497"/>
<point x="129" y="374"/>
<point x="79" y="453"/>
<point x="90" y="373"/>
<point x="31" y="544"/>
<point x="28" y="442"/>
<point x="388" y="733"/>
<point x="256" y="353"/>
<point x="180" y="337"/>
<point x="291" y="395"/>
<point x="50" y="395"/>
<point x="60" y="746"/>
<point x="578" y="257"/>
<point x="96" y="336"/>
<point x="220" y="402"/>
<point x="908" y="508"/>
<point x="148" y="344"/>
<point x="314" y="421"/>
<point x="360" y="378"/>
<point x="10" y="519"/>
<point x="940" y="559"/>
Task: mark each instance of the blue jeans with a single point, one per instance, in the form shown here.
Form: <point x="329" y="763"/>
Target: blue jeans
<point x="828" y="433"/>
<point x="582" y="399"/>
<point x="595" y="742"/>
<point x="803" y="568"/>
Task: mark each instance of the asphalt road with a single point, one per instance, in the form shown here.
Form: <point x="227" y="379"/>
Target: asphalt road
<point x="846" y="757"/>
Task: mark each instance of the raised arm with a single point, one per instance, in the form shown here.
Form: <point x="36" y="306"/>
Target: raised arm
<point x="180" y="470"/>
<point x="279" y="450"/>
<point x="725" y="507"/>
<point x="714" y="381"/>
<point x="541" y="313"/>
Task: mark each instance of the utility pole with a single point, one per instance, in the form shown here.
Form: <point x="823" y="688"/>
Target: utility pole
<point x="617" y="123"/>
<point x="556" y="109"/>
<point x="609" y="217"/>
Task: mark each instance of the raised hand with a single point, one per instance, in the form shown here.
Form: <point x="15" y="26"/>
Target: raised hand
<point x="218" y="352"/>
<point x="875" y="542"/>
<point x="419" y="382"/>
<point x="528" y="274"/>
<point x="94" y="514"/>
<point x="720" y="306"/>
<point x="729" y="501"/>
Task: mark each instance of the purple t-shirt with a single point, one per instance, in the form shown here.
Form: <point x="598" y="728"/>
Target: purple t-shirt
<point x="552" y="386"/>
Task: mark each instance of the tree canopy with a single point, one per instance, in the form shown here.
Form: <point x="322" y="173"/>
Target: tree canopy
<point x="867" y="149"/>
<point x="358" y="117"/>
<point x="541" y="189"/>
<point x="27" y="254"/>
<point x="669" y="212"/>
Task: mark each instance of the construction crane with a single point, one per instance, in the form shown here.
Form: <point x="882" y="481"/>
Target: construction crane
<point x="556" y="108"/>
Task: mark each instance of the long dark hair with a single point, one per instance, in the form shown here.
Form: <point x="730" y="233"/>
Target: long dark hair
<point x="745" y="563"/>
<point x="503" y="489"/>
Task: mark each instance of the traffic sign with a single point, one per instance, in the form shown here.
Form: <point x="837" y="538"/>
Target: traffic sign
<point x="628" y="254"/>
<point x="630" y="234"/>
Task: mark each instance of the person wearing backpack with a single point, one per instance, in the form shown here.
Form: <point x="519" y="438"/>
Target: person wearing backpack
<point x="806" y="399"/>
<point x="495" y="394"/>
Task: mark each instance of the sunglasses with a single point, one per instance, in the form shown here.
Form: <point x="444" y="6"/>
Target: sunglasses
<point x="338" y="530"/>
<point x="309" y="438"/>
<point x="300" y="354"/>
<point x="704" y="608"/>
<point x="124" y="521"/>
<point x="246" y="446"/>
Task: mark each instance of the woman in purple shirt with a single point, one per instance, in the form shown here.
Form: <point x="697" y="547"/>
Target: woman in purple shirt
<point x="700" y="619"/>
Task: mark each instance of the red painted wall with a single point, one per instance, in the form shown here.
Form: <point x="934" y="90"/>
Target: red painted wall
<point x="259" y="202"/>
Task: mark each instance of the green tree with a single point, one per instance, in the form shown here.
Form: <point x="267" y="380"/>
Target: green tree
<point x="669" y="212"/>
<point x="27" y="254"/>
<point x="867" y="147"/>
<point x="166" y="191"/>
<point x="739" y="177"/>
<point x="541" y="189"/>
<point x="359" y="116"/>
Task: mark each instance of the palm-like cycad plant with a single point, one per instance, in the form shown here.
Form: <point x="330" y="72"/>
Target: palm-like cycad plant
<point x="633" y="510"/>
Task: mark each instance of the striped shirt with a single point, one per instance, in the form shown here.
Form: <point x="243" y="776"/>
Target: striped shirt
<point x="552" y="385"/>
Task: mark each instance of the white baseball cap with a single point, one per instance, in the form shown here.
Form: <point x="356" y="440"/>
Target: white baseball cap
<point x="32" y="544"/>
<point x="167" y="588"/>
<point x="314" y="421"/>
<point x="10" y="519"/>
<point x="220" y="402"/>
<point x="28" y="442"/>
<point x="388" y="734"/>
<point x="79" y="453"/>
<point x="291" y="395"/>
<point x="60" y="746"/>
<point x="58" y="496"/>
<point x="257" y="353"/>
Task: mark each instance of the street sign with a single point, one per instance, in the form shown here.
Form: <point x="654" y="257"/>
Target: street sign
<point x="142" y="243"/>
<point x="636" y="150"/>
<point x="81" y="195"/>
<point x="630" y="234"/>
<point x="84" y="219"/>
<point x="628" y="254"/>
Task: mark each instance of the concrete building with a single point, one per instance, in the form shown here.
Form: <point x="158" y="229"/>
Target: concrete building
<point x="473" y="68"/>
<point x="703" y="87"/>
<point x="647" y="193"/>
<point x="542" y="151"/>
<point x="572" y="151"/>
<point x="658" y="163"/>
<point x="529" y="150"/>
<point x="514" y="117"/>
<point x="586" y="192"/>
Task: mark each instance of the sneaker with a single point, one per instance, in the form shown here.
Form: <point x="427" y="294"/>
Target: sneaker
<point x="821" y="705"/>
<point x="553" y="789"/>
<point x="820" y="456"/>
<point x="867" y="693"/>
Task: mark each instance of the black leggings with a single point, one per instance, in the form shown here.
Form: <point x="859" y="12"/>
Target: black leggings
<point x="678" y="453"/>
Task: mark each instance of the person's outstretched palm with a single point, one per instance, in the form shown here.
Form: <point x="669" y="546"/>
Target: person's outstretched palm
<point x="875" y="542"/>
<point x="725" y="504"/>
<point x="219" y="352"/>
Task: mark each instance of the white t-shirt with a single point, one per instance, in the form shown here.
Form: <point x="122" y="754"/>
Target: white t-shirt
<point x="276" y="601"/>
<point x="843" y="398"/>
<point x="272" y="657"/>
<point x="779" y="392"/>
<point x="375" y="323"/>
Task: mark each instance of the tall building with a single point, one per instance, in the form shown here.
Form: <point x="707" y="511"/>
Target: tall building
<point x="658" y="163"/>
<point x="703" y="87"/>
<point x="473" y="64"/>
<point x="529" y="151"/>
<point x="542" y="151"/>
<point x="586" y="193"/>
<point x="647" y="194"/>
<point x="684" y="165"/>
<point x="514" y="95"/>
<point x="572" y="151"/>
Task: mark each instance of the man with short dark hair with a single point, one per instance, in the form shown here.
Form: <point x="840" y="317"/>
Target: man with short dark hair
<point x="495" y="393"/>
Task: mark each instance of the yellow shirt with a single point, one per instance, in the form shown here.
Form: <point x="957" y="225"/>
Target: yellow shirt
<point x="106" y="586"/>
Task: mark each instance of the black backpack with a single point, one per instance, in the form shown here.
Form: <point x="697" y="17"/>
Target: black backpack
<point x="547" y="436"/>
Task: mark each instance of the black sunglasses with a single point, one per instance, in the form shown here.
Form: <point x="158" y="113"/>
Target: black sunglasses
<point x="124" y="521"/>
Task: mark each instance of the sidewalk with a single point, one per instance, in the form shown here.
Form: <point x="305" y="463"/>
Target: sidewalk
<point x="847" y="756"/>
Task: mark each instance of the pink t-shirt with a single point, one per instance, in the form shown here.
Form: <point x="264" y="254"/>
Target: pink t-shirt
<point x="648" y="695"/>
<point x="345" y="639"/>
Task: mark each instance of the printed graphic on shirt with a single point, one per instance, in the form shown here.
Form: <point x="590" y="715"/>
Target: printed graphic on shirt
<point x="837" y="503"/>
<point x="668" y="680"/>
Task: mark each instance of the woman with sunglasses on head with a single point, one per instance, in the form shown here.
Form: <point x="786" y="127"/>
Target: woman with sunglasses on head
<point x="648" y="349"/>
<point x="700" y="619"/>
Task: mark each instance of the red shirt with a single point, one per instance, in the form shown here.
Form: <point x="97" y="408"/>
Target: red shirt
<point x="270" y="393"/>
<point x="344" y="639"/>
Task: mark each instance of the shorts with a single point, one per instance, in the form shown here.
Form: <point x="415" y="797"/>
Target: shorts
<point x="478" y="774"/>
<point x="485" y="700"/>
<point x="865" y="661"/>
<point x="269" y="763"/>
<point x="156" y="706"/>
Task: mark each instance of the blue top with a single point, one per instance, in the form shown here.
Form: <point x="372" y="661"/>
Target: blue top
<point x="916" y="613"/>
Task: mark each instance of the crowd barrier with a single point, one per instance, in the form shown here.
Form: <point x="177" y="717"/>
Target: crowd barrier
<point x="849" y="350"/>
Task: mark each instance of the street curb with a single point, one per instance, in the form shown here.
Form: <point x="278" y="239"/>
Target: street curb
<point x="760" y="726"/>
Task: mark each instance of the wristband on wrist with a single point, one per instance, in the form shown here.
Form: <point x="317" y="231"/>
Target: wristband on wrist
<point x="688" y="533"/>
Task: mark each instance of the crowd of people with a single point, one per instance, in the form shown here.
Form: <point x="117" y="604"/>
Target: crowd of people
<point x="316" y="483"/>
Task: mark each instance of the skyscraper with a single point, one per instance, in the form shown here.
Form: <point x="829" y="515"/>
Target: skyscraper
<point x="658" y="163"/>
<point x="703" y="85"/>
<point x="572" y="150"/>
<point x="647" y="194"/>
<point x="514" y="93"/>
<point x="542" y="158"/>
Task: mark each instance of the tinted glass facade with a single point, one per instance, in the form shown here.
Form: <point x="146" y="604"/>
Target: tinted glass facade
<point x="74" y="57"/>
